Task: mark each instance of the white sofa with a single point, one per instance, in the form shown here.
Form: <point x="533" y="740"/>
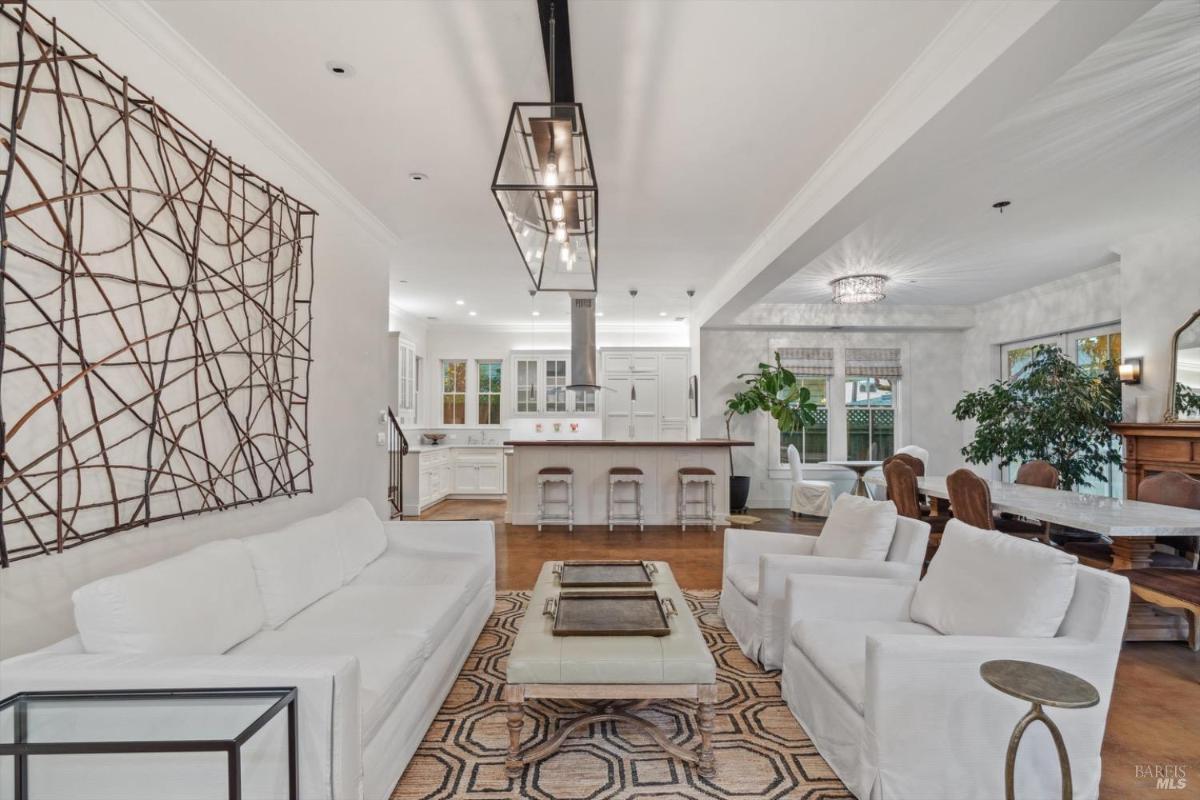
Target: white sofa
<point x="757" y="563"/>
<point x="899" y="709"/>
<point x="372" y="622"/>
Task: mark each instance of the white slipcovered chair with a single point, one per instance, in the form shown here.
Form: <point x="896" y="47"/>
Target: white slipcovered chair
<point x="896" y="704"/>
<point x="757" y="563"/>
<point x="917" y="452"/>
<point x="808" y="497"/>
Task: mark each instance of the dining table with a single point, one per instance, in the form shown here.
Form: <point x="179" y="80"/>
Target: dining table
<point x="1132" y="525"/>
<point x="859" y="468"/>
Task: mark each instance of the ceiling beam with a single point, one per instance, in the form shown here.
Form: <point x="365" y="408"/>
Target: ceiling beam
<point x="988" y="61"/>
<point x="558" y="64"/>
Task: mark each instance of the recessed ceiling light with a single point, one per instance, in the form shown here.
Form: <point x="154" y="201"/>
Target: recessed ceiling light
<point x="460" y="302"/>
<point x="662" y="313"/>
<point x="340" y="69"/>
<point x="418" y="177"/>
<point x="599" y="313"/>
<point x="537" y="313"/>
<point x="432" y="319"/>
<point x="470" y="313"/>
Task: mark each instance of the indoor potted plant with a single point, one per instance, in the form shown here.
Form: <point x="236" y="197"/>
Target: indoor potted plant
<point x="1052" y="410"/>
<point x="774" y="389"/>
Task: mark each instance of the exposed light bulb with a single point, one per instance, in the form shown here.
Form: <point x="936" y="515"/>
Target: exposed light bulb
<point x="538" y="254"/>
<point x="550" y="171"/>
<point x="512" y="218"/>
<point x="560" y="232"/>
<point x="557" y="210"/>
<point x="528" y="256"/>
<point x="525" y="231"/>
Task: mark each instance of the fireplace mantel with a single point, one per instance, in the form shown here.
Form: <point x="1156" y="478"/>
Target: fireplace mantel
<point x="1158" y="447"/>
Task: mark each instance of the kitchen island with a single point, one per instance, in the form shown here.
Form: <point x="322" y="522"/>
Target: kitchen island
<point x="592" y="459"/>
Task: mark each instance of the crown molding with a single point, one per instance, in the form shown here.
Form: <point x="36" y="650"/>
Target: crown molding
<point x="158" y="35"/>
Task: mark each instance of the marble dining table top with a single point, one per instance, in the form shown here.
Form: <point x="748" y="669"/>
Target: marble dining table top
<point x="1104" y="515"/>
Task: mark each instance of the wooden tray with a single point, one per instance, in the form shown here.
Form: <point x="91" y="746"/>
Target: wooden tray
<point x="639" y="613"/>
<point x="580" y="574"/>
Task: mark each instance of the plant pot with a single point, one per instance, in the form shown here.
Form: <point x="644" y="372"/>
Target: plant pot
<point x="739" y="492"/>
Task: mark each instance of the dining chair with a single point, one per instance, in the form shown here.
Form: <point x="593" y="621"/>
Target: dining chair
<point x="902" y="490"/>
<point x="1171" y="582"/>
<point x="914" y="463"/>
<point x="1173" y="489"/>
<point x="1032" y="473"/>
<point x="970" y="499"/>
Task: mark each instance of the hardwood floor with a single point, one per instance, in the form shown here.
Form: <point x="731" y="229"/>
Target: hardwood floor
<point x="1156" y="701"/>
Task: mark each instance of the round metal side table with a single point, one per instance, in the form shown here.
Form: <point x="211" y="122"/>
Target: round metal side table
<point x="1041" y="686"/>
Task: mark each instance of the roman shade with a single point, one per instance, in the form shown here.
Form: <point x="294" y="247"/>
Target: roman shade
<point x="872" y="362"/>
<point x="808" y="361"/>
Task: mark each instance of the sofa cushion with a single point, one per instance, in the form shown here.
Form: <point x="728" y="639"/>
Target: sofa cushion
<point x="401" y="566"/>
<point x="201" y="602"/>
<point x="744" y="578"/>
<point x="857" y="527"/>
<point x="838" y="648"/>
<point x="387" y="664"/>
<point x="426" y="612"/>
<point x="360" y="536"/>
<point x="295" y="566"/>
<point x="986" y="583"/>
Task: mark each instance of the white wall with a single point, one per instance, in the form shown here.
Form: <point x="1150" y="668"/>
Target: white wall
<point x="1160" y="289"/>
<point x="929" y="388"/>
<point x="349" y="372"/>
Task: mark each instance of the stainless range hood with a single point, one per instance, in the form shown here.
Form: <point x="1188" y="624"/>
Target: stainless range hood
<point x="583" y="341"/>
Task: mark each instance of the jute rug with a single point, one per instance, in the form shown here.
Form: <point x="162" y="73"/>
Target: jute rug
<point x="761" y="751"/>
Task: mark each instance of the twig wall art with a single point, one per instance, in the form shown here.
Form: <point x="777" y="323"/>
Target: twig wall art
<point x="154" y="346"/>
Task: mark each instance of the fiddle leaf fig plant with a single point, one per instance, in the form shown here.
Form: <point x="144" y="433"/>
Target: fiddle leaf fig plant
<point x="774" y="389"/>
<point x="1052" y="410"/>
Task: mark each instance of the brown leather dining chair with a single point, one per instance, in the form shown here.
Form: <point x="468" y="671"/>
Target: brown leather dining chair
<point x="1171" y="587"/>
<point x="970" y="498"/>
<point x="902" y="489"/>
<point x="1031" y="473"/>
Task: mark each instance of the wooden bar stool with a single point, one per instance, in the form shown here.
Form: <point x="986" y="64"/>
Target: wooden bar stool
<point x="631" y="475"/>
<point x="706" y="478"/>
<point x="551" y="475"/>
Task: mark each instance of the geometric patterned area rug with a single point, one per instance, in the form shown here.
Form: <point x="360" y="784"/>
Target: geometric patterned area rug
<point x="761" y="751"/>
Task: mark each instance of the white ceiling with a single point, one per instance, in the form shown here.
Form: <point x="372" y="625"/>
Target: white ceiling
<point x="705" y="117"/>
<point x="1110" y="150"/>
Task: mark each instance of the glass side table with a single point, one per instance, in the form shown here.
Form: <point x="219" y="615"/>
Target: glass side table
<point x="143" y="721"/>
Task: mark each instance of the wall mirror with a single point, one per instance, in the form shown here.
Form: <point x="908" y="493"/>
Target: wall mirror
<point x="1184" y="403"/>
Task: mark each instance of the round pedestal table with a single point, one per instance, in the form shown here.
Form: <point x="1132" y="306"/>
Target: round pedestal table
<point x="1041" y="686"/>
<point x="859" y="468"/>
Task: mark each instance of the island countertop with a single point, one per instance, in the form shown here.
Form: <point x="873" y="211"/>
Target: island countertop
<point x="616" y="443"/>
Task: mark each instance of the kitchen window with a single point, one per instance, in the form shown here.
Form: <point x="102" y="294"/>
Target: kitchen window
<point x="454" y="392"/>
<point x="489" y="392"/>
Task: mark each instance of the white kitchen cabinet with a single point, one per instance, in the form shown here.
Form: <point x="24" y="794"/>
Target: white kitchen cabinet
<point x="657" y="407"/>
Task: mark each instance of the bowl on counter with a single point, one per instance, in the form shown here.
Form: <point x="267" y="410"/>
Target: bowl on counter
<point x="432" y="438"/>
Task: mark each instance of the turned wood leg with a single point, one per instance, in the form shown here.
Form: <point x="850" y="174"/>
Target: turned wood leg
<point x="935" y="506"/>
<point x="706" y="765"/>
<point x="516" y="721"/>
<point x="1130" y="552"/>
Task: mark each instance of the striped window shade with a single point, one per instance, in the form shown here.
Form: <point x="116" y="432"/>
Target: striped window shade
<point x="872" y="362"/>
<point x="808" y="361"/>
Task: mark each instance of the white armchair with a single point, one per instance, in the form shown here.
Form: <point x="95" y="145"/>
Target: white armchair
<point x="900" y="710"/>
<point x="757" y="563"/>
<point x="808" y="497"/>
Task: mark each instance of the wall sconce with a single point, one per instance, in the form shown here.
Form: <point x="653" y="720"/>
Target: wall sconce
<point x="1130" y="371"/>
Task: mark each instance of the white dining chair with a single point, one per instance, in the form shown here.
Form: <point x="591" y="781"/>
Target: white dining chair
<point x="808" y="497"/>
